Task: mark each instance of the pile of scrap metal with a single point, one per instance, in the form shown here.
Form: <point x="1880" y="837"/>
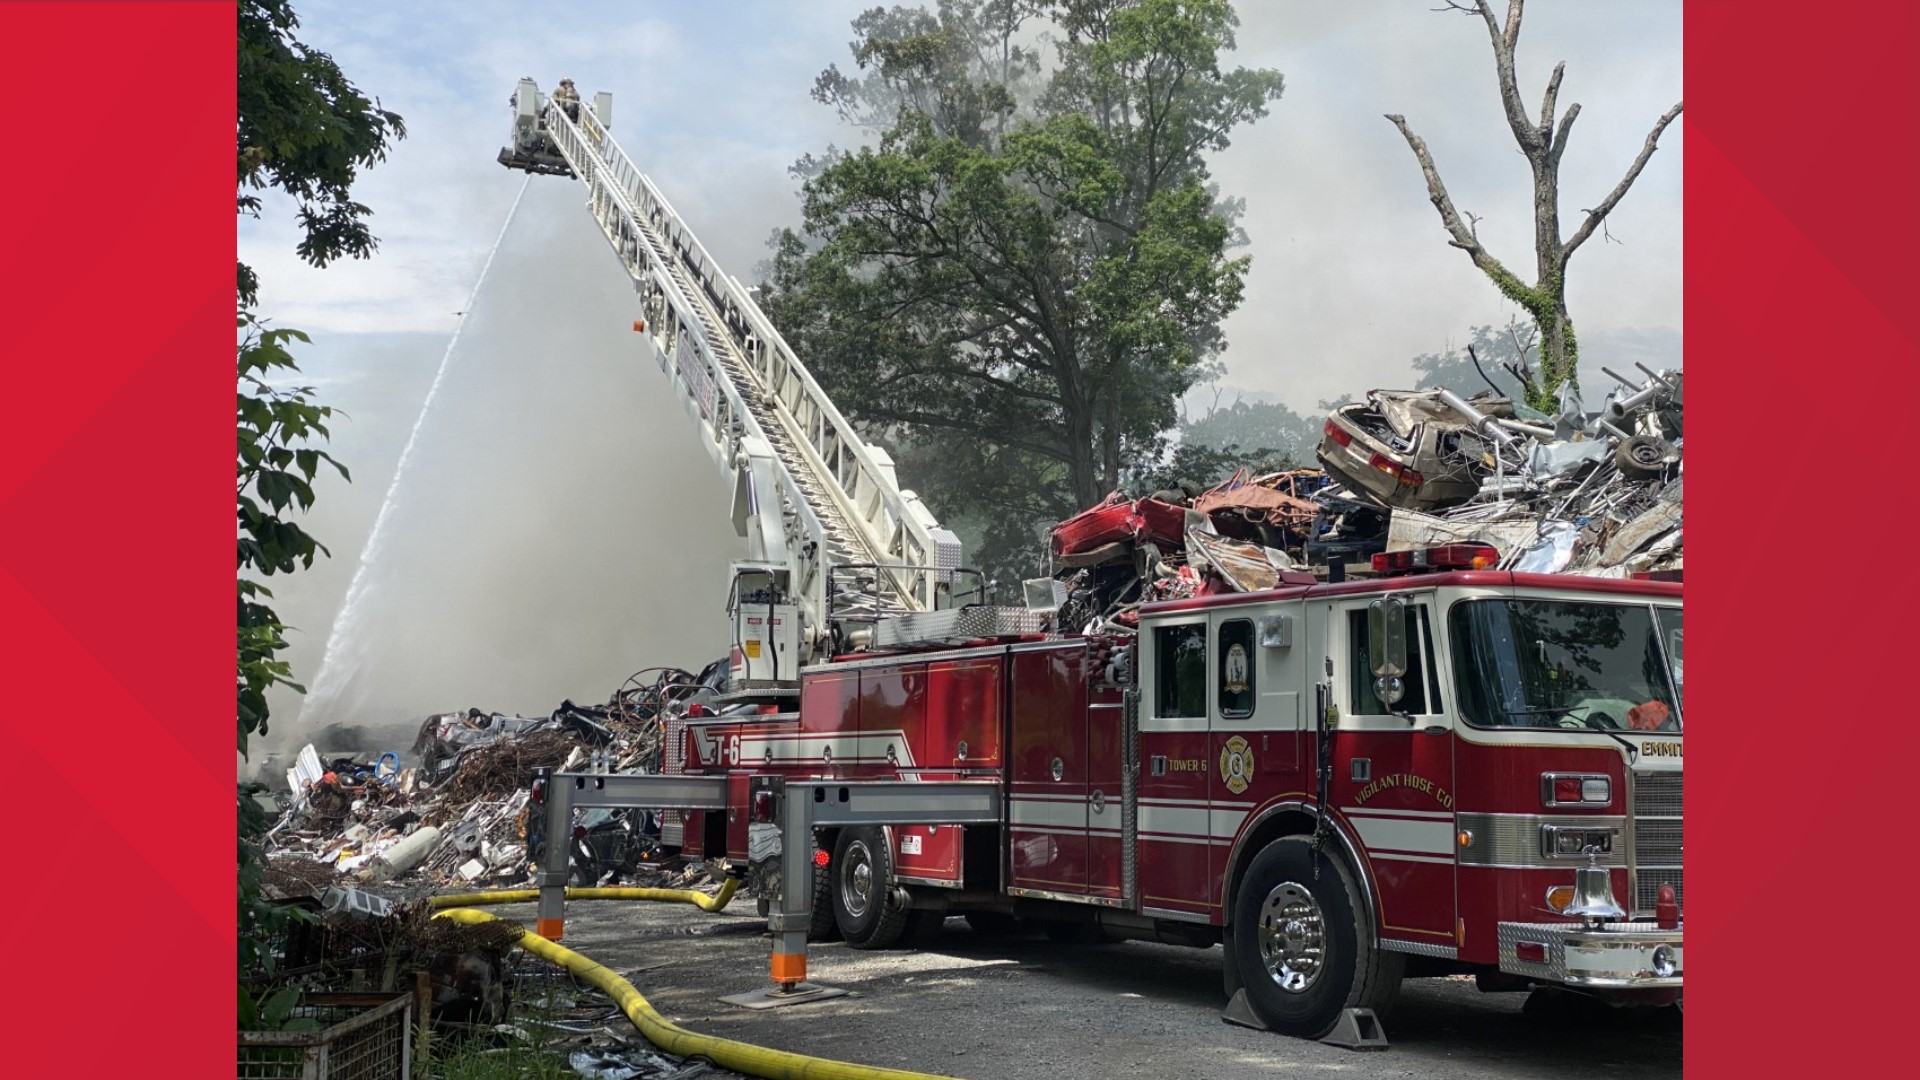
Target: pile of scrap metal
<point x="1582" y="493"/>
<point x="459" y="815"/>
<point x="1246" y="534"/>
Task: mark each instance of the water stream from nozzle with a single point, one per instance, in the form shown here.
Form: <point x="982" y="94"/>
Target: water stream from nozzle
<point x="342" y="653"/>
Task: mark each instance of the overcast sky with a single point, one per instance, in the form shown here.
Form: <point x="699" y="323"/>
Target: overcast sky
<point x="548" y="512"/>
<point x="1351" y="272"/>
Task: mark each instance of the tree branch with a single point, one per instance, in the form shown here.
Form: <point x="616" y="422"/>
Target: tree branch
<point x="1531" y="139"/>
<point x="1464" y="237"/>
<point x="1559" y="144"/>
<point x="1553" y="94"/>
<point x="1598" y="214"/>
<point x="1514" y="7"/>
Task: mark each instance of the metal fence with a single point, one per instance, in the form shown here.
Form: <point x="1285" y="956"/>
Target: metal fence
<point x="364" y="1037"/>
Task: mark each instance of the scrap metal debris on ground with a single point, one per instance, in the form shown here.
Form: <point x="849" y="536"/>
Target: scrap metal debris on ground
<point x="361" y="836"/>
<point x="1580" y="493"/>
<point x="1595" y="494"/>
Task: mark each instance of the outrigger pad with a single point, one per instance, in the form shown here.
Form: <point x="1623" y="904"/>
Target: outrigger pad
<point x="1357" y="1029"/>
<point x="773" y="997"/>
<point x="1239" y="1012"/>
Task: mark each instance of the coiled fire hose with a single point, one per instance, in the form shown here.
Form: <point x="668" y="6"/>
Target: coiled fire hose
<point x="727" y="1053"/>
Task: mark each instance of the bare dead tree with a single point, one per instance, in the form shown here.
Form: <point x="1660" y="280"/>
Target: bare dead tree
<point x="1542" y="143"/>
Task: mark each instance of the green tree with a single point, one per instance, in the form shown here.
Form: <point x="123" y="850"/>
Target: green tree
<point x="1265" y="436"/>
<point x="304" y="130"/>
<point x="1029" y="268"/>
<point x="1500" y="356"/>
<point x="1541" y="143"/>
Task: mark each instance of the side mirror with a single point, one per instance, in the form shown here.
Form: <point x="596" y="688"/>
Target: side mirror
<point x="1387" y="648"/>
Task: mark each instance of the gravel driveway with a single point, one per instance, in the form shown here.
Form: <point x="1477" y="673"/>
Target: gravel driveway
<point x="1028" y="1009"/>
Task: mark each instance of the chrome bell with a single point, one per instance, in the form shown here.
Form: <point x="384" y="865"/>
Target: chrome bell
<point x="1593" y="892"/>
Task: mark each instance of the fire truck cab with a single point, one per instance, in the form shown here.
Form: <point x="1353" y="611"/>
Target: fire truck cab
<point x="1413" y="771"/>
<point x="1444" y="769"/>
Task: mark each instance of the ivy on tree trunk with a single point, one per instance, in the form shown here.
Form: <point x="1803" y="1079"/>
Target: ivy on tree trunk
<point x="1542" y="142"/>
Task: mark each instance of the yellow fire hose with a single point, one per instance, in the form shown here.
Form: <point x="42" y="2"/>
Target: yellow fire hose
<point x="522" y="896"/>
<point x="726" y="1053"/>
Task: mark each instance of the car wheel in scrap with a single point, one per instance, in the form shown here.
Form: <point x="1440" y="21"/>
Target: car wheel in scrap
<point x="1643" y="456"/>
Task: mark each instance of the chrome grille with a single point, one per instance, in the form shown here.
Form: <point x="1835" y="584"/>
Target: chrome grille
<point x="1657" y="837"/>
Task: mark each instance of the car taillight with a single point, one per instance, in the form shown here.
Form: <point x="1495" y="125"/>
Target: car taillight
<point x="1575" y="789"/>
<point x="539" y="794"/>
<point x="1338" y="434"/>
<point x="579" y="832"/>
<point x="762" y="806"/>
<point x="1407" y="477"/>
<point x="820" y="856"/>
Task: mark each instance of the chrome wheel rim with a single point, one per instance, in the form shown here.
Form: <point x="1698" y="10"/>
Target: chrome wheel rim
<point x="1293" y="937"/>
<point x="856" y="879"/>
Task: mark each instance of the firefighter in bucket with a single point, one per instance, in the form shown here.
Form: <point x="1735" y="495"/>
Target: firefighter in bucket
<point x="569" y="99"/>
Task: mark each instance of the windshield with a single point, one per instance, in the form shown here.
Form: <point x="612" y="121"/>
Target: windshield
<point x="1567" y="664"/>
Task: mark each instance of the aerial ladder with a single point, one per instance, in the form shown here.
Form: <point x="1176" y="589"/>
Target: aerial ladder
<point x="839" y="557"/>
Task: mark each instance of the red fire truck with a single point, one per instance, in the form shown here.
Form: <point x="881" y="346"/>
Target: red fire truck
<point x="1440" y="768"/>
<point x="1341" y="783"/>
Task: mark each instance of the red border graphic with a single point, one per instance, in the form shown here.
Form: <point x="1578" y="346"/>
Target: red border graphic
<point x="116" y="557"/>
<point x="1801" y="352"/>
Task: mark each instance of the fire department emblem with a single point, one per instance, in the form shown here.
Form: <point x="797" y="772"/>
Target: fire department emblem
<point x="1236" y="764"/>
<point x="1235" y="680"/>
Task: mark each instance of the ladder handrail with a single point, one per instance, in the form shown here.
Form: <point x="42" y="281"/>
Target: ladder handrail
<point x="879" y="525"/>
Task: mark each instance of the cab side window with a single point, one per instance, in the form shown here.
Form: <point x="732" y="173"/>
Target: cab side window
<point x="1236" y="669"/>
<point x="1180" y="671"/>
<point x="1361" y="700"/>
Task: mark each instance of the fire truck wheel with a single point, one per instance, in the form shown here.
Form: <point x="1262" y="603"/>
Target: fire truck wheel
<point x="1302" y="952"/>
<point x="822" y="926"/>
<point x="862" y="869"/>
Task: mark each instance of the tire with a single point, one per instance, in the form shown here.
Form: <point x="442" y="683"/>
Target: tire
<point x="994" y="924"/>
<point x="1309" y="928"/>
<point x="1642" y="456"/>
<point x="862" y="907"/>
<point x="820" y="923"/>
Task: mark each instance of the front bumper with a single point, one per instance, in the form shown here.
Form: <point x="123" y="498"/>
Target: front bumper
<point x="1619" y="956"/>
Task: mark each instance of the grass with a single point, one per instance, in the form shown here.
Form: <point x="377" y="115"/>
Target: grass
<point x="515" y="1061"/>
